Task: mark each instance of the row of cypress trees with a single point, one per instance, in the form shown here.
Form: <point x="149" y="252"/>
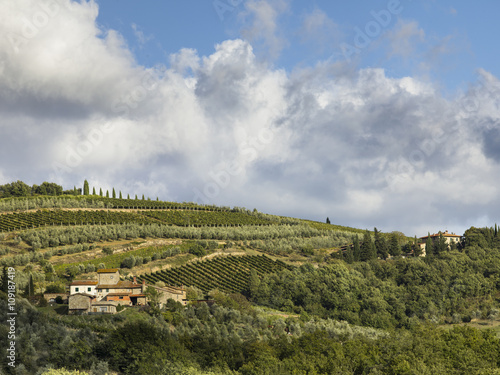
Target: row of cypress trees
<point x="86" y="191"/>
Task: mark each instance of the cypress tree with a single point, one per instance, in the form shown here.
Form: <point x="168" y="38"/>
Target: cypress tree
<point x="5" y="280"/>
<point x="328" y="220"/>
<point x="136" y="196"/>
<point x="349" y="255"/>
<point x="142" y="196"/>
<point x="107" y="193"/>
<point x="380" y="245"/>
<point x="496" y="242"/>
<point x="128" y="196"/>
<point x="394" y="248"/>
<point x="114" y="193"/>
<point x="429" y="246"/>
<point x="441" y="246"/>
<point x="100" y="192"/>
<point x="30" y="288"/>
<point x="86" y="190"/>
<point x="417" y="250"/>
<point x="93" y="191"/>
<point x="356" y="249"/>
<point x="367" y="250"/>
<point x="121" y="194"/>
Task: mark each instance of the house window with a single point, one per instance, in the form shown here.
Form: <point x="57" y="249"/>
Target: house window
<point x="121" y="297"/>
<point x="76" y="289"/>
<point x="107" y="290"/>
<point x="89" y="289"/>
<point x="102" y="309"/>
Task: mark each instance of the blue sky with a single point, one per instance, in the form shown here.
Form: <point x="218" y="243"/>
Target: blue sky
<point x="456" y="37"/>
<point x="374" y="113"/>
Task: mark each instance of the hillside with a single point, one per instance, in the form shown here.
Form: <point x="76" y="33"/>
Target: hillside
<point x="279" y="287"/>
<point x="72" y="235"/>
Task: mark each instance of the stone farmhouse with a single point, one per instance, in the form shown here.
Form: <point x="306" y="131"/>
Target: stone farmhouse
<point x="109" y="291"/>
<point x="448" y="237"/>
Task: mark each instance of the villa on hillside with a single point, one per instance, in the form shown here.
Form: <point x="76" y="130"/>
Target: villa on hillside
<point x="448" y="237"/>
<point x="108" y="292"/>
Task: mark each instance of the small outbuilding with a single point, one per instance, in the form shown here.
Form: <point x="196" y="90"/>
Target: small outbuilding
<point x="104" y="307"/>
<point x="80" y="303"/>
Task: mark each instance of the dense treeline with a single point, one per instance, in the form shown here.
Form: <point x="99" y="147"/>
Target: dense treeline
<point x="482" y="237"/>
<point x="231" y="337"/>
<point x="453" y="287"/>
<point x="20" y="189"/>
<point x="32" y="203"/>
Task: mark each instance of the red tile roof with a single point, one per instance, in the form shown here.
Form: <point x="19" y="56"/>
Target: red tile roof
<point x="84" y="282"/>
<point x="120" y="285"/>
<point x="107" y="270"/>
<point x="445" y="234"/>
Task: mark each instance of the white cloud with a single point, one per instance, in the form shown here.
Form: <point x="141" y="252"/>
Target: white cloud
<point x="360" y="147"/>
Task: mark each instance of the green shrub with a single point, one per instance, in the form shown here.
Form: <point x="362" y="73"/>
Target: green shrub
<point x="197" y="250"/>
<point x="55" y="288"/>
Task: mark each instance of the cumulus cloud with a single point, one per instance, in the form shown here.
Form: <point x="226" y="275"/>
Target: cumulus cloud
<point x="360" y="147"/>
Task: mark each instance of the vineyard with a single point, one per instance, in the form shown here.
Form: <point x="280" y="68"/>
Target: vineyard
<point x="26" y="220"/>
<point x="183" y="218"/>
<point x="229" y="274"/>
<point x="148" y="204"/>
<point x="207" y="218"/>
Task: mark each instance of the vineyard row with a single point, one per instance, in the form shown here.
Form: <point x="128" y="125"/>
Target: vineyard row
<point x="229" y="274"/>
<point x="26" y="220"/>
